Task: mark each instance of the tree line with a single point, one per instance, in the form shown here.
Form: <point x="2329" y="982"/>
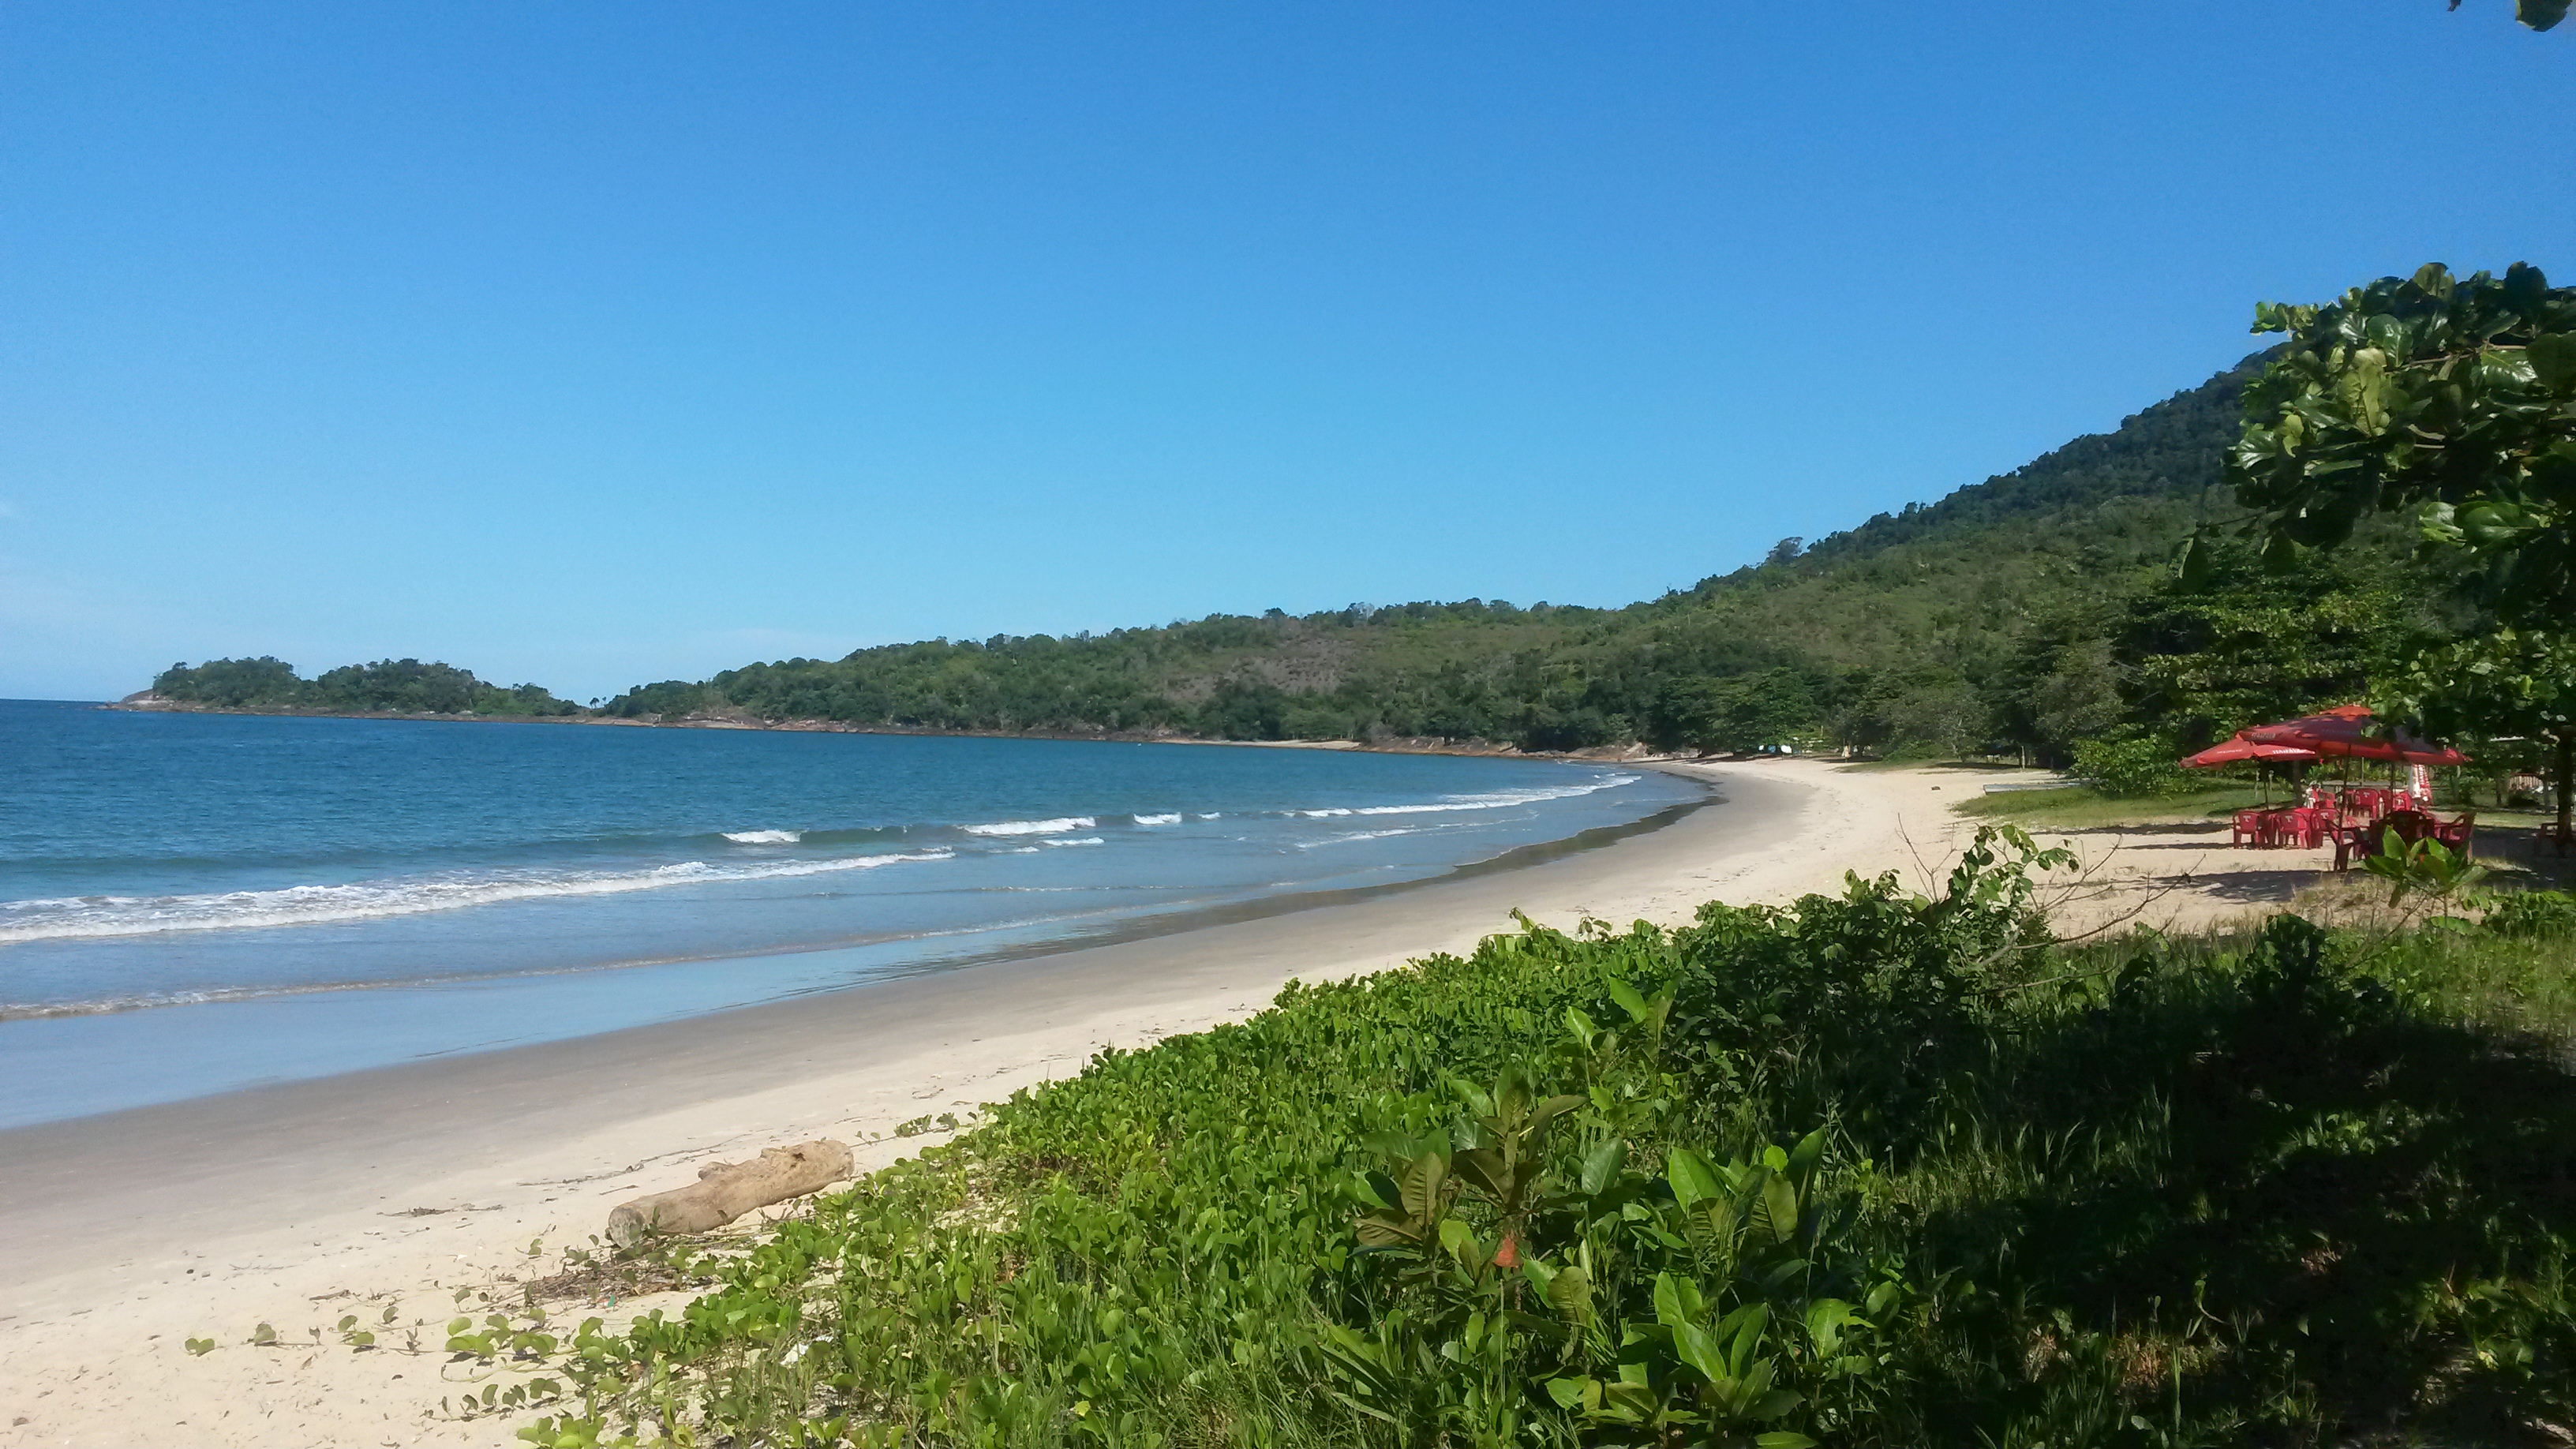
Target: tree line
<point x="388" y="686"/>
<point x="2378" y="507"/>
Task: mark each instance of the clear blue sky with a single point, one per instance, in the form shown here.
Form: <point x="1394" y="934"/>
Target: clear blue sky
<point x="599" y="344"/>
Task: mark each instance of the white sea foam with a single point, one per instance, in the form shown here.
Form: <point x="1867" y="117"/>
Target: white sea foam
<point x="1362" y="835"/>
<point x="764" y="837"/>
<point x="1035" y="827"/>
<point x="1210" y="814"/>
<point x="1173" y="819"/>
<point x="104" y="916"/>
<point x="1498" y="800"/>
<point x="1085" y="840"/>
<point x="1323" y="814"/>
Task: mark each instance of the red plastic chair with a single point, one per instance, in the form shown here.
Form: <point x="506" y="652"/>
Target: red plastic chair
<point x="2457" y="834"/>
<point x="2411" y="825"/>
<point x="2249" y="826"/>
<point x="2286" y="830"/>
<point x="2309" y="827"/>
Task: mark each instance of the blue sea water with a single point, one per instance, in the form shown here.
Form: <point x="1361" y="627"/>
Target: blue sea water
<point x="191" y="903"/>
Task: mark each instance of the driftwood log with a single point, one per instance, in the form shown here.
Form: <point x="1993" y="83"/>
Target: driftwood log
<point x="726" y="1190"/>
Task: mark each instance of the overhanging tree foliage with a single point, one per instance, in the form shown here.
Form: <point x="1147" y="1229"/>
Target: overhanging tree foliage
<point x="2454" y="400"/>
<point x="2507" y="683"/>
<point x="2538" y="14"/>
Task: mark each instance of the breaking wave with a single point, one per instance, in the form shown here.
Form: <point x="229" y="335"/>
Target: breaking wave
<point x="1498" y="800"/>
<point x="77" y="917"/>
<point x="1057" y="826"/>
<point x="1363" y="835"/>
<point x="1172" y="819"/>
<point x="764" y="837"/>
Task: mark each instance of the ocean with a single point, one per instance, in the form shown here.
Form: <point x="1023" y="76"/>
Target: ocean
<point x="195" y="903"/>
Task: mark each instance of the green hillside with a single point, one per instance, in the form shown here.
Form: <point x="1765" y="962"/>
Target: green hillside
<point x="2028" y="612"/>
<point x="1910" y="629"/>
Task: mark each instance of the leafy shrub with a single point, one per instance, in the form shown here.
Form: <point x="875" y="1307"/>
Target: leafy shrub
<point x="2131" y="767"/>
<point x="2533" y="914"/>
<point x="1874" y="1169"/>
<point x="1871" y="995"/>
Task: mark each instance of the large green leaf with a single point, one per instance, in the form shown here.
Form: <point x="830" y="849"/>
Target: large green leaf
<point x="1570" y="1293"/>
<point x="1628" y="998"/>
<point x="1601" y="1165"/>
<point x="1420" y="1185"/>
<point x="1693" y="1344"/>
<point x="2553" y="361"/>
<point x="1693" y="1180"/>
<point x="1554" y="1107"/>
<point x="1676" y="1300"/>
<point x="1773" y="1404"/>
<point x="1803" y="1159"/>
<point x="1482" y="1167"/>
<point x="1379" y="1231"/>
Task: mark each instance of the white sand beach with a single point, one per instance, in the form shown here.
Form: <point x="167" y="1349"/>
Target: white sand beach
<point x="297" y="1204"/>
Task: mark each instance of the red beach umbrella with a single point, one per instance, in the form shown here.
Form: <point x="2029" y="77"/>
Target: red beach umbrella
<point x="2348" y="731"/>
<point x="2240" y="749"/>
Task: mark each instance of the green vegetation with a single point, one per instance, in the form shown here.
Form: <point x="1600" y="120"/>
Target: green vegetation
<point x="397" y="686"/>
<point x="1940" y="629"/>
<point x="2452" y="401"/>
<point x="2036" y="613"/>
<point x="2538" y="14"/>
<point x="2082" y="807"/>
<point x="2041" y="613"/>
<point x="1876" y="1169"/>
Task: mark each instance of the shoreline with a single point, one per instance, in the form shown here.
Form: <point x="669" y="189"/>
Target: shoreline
<point x="1176" y="921"/>
<point x="1393" y="745"/>
<point x="394" y="1189"/>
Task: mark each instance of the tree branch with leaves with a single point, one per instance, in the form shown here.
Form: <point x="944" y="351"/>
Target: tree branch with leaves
<point x="2452" y="400"/>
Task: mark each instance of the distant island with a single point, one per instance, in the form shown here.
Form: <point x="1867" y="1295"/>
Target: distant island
<point x="388" y="686"/>
<point x="2030" y="613"/>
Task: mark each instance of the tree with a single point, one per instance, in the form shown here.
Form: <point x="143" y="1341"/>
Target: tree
<point x="1938" y="710"/>
<point x="2453" y="400"/>
<point x="2506" y="683"/>
<point x="232" y="683"/>
<point x="2241" y="645"/>
<point x="2079" y="698"/>
<point x="2538" y="14"/>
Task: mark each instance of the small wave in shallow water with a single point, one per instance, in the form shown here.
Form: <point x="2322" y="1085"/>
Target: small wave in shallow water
<point x="1358" y="835"/>
<point x="82" y="917"/>
<point x="1057" y="826"/>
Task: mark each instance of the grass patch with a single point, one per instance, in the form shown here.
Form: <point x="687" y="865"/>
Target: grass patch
<point x="2080" y="807"/>
<point x="1870" y="1170"/>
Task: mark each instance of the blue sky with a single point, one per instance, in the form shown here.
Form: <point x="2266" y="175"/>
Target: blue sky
<point x="599" y="344"/>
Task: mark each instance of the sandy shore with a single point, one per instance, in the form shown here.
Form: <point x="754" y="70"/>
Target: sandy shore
<point x="296" y="1204"/>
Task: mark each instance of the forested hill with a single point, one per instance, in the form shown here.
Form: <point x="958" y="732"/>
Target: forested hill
<point x="1911" y="627"/>
<point x="388" y="686"/>
<point x="2035" y="610"/>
